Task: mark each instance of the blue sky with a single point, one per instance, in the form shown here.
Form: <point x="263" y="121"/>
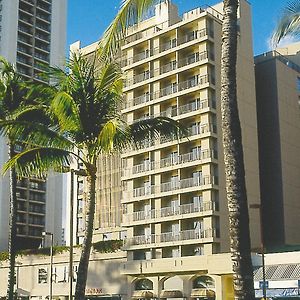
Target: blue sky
<point x="87" y="19"/>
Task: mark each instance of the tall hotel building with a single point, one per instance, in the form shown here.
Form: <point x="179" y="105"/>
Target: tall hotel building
<point x="173" y="199"/>
<point x="32" y="33"/>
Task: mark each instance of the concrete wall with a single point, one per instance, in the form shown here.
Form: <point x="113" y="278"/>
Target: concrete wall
<point x="104" y="275"/>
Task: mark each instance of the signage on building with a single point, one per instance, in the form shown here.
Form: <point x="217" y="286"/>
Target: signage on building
<point x="94" y="291"/>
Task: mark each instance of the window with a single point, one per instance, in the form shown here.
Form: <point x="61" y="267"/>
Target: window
<point x="203" y="282"/>
<point x="144" y="284"/>
<point x="61" y="274"/>
<point x="298" y="84"/>
<point x="42" y="275"/>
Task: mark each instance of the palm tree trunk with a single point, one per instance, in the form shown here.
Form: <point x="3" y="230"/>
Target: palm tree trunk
<point x="12" y="227"/>
<point x="234" y="160"/>
<point x="87" y="242"/>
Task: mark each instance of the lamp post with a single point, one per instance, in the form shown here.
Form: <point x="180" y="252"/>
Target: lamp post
<point x="71" y="237"/>
<point x="79" y="173"/>
<point x="51" y="262"/>
<point x="258" y="206"/>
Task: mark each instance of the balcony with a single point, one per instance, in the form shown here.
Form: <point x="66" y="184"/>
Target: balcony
<point x="184" y="235"/>
<point x="171" y="66"/>
<point x="187" y="183"/>
<point x="195" y="105"/>
<point x="170" y="90"/>
<point x="169" y="211"/>
<point x="143" y="191"/>
<point x="170" y="186"/>
<point x="180" y="159"/>
<point x="165" y="46"/>
<point x="198" y="130"/>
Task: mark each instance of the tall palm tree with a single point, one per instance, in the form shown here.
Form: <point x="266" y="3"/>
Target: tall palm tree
<point x="240" y="245"/>
<point x="12" y="96"/>
<point x="132" y="11"/>
<point x="86" y="109"/>
<point x="288" y="24"/>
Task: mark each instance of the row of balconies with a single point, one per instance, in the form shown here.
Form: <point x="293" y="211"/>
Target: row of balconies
<point x="168" y="186"/>
<point x="171" y="89"/>
<point x="200" y="129"/>
<point x="169" y="211"/>
<point x="171" y="66"/>
<point x="164" y="46"/>
<point x="173" y="111"/>
<point x="184" y="235"/>
<point x="169" y="161"/>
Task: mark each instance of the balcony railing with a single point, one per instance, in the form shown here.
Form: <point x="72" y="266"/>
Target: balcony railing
<point x="170" y="186"/>
<point x="171" y="66"/>
<point x="195" y="105"/>
<point x="171" y="89"/>
<point x="188" y="37"/>
<point x="169" y="211"/>
<point x="171" y="237"/>
<point x="191" y="131"/>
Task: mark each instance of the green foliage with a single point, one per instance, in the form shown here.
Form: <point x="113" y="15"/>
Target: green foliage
<point x="108" y="246"/>
<point x="3" y="256"/>
<point x="101" y="247"/>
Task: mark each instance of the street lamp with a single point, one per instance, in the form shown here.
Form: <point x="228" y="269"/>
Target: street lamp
<point x="44" y="234"/>
<point x="258" y="206"/>
<point x="78" y="173"/>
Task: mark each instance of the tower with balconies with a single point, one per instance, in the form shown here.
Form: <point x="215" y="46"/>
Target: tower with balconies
<point x="174" y="199"/>
<point x="33" y="34"/>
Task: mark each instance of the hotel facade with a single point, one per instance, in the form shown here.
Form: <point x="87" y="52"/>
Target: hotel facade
<point x="174" y="208"/>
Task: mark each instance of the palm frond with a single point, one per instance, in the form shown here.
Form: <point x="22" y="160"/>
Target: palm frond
<point x="39" y="161"/>
<point x="131" y="11"/>
<point x="154" y="128"/>
<point x="66" y="112"/>
<point x="114" y="135"/>
<point x="35" y="134"/>
<point x="288" y="24"/>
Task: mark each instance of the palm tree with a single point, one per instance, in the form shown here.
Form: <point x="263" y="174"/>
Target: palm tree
<point x="288" y="24"/>
<point x="240" y="245"/>
<point x="86" y="111"/>
<point x="12" y="97"/>
<point x="132" y="11"/>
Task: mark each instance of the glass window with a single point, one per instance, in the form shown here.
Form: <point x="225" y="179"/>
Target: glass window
<point x="42" y="275"/>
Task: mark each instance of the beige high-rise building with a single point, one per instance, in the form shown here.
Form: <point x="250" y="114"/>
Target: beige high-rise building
<point x="173" y="199"/>
<point x="278" y="89"/>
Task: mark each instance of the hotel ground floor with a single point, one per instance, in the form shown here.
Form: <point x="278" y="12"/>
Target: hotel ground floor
<point x="112" y="277"/>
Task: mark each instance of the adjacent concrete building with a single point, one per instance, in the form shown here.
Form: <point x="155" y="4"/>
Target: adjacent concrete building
<point x="33" y="33"/>
<point x="278" y="113"/>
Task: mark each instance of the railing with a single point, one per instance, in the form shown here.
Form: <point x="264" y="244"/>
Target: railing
<point x="169" y="186"/>
<point x="171" y="237"/>
<point x="171" y="89"/>
<point x="188" y="37"/>
<point x="140" y="240"/>
<point x="170" y="161"/>
<point x="143" y="191"/>
<point x="195" y="105"/>
<point x="171" y="66"/>
<point x="169" y="211"/>
<point x="191" y="131"/>
<point x="143" y="215"/>
<point x="187" y="183"/>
